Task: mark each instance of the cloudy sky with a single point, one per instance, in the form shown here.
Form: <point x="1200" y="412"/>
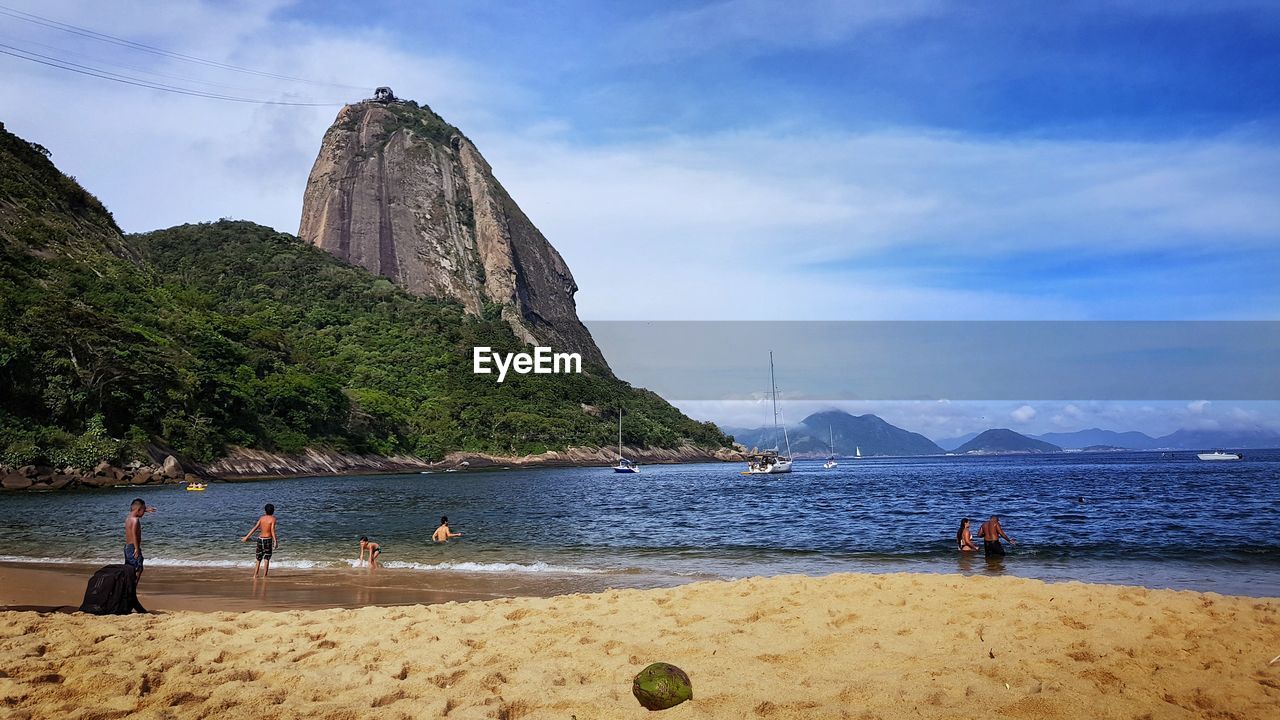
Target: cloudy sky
<point x="807" y="160"/>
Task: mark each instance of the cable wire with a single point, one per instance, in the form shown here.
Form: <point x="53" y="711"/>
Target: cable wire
<point x="127" y="80"/>
<point x="103" y="37"/>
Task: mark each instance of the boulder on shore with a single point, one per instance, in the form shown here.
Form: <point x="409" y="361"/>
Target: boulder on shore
<point x="16" y="482"/>
<point x="172" y="468"/>
<point x="142" y="477"/>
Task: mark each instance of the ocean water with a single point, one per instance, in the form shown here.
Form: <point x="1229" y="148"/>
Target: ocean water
<point x="1153" y="519"/>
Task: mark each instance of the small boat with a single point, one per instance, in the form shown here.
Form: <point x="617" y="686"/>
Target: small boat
<point x="770" y="462"/>
<point x="831" y="458"/>
<point x="623" y="465"/>
<point x="196" y="487"/>
<point x="857" y="452"/>
<point x="1219" y="455"/>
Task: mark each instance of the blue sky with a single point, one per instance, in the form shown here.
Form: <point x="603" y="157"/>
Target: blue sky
<point x="806" y="160"/>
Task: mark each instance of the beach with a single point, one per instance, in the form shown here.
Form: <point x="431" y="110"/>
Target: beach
<point x="849" y="645"/>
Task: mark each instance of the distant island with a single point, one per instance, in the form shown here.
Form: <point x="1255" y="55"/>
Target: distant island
<point x="1002" y="441"/>
<point x="849" y="433"/>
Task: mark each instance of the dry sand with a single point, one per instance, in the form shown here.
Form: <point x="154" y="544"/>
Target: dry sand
<point x="856" y="646"/>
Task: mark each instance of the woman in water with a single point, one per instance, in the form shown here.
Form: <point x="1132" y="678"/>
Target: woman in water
<point x="964" y="541"/>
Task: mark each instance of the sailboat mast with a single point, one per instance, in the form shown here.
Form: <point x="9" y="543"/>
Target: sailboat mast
<point x="773" y="382"/>
<point x="619" y="433"/>
<point x="773" y="385"/>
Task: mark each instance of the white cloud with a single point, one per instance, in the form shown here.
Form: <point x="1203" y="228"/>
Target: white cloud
<point x="1023" y="414"/>
<point x="1198" y="406"/>
<point x="805" y="220"/>
<point x="161" y="159"/>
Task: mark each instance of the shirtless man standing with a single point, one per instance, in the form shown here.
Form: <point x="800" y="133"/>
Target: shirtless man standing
<point x="133" y="534"/>
<point x="267" y="542"/>
<point x="442" y="533"/>
<point x="991" y="533"/>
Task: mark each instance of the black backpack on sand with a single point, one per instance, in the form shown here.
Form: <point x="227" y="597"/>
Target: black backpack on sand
<point x="113" y="590"/>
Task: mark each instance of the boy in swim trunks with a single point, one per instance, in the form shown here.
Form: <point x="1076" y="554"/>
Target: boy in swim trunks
<point x="133" y="534"/>
<point x="267" y="541"/>
<point x="443" y="533"/>
<point x="373" y="548"/>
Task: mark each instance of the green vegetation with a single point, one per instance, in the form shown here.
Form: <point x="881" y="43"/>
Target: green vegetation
<point x="229" y="333"/>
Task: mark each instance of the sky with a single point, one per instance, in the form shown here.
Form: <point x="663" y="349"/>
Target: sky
<point x="738" y="159"/>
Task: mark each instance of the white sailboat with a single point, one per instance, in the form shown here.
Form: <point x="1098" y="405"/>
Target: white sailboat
<point x="857" y="452"/>
<point x="624" y="465"/>
<point x="770" y="462"/>
<point x="831" y="457"/>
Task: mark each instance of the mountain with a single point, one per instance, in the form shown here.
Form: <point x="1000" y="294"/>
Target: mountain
<point x="400" y="192"/>
<point x="1095" y="436"/>
<point x="999" y="441"/>
<point x="869" y="433"/>
<point x="207" y="338"/>
<point x="950" y="444"/>
<point x="1227" y="439"/>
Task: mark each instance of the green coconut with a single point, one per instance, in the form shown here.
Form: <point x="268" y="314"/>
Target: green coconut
<point x="661" y="686"/>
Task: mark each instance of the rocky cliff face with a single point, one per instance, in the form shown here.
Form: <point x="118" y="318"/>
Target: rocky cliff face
<point x="397" y="190"/>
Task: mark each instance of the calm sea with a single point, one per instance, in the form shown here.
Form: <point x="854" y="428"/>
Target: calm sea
<point x="1154" y="519"/>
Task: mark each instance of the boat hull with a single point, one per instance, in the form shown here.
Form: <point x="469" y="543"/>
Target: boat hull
<point x="628" y="470"/>
<point x="778" y="468"/>
<point x="1220" y="456"/>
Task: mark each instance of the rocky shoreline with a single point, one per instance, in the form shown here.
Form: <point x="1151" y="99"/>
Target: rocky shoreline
<point x="44" y="477"/>
<point x="245" y="464"/>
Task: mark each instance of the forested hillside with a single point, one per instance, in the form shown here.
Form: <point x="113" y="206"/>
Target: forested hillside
<point x="229" y="333"/>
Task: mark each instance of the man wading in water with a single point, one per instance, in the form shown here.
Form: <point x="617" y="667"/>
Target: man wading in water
<point x="991" y="533"/>
<point x="267" y="542"/>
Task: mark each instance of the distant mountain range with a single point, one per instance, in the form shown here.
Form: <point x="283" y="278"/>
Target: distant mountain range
<point x="1001" y="440"/>
<point x="1096" y="436"/>
<point x="1133" y="440"/>
<point x="870" y="434"/>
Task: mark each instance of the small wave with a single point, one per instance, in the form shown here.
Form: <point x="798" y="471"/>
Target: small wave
<point x="536" y="567"/>
<point x="166" y="562"/>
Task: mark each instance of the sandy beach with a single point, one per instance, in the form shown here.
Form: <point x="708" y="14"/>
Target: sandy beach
<point x="852" y="646"/>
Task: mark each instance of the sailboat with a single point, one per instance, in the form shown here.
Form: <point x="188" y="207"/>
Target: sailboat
<point x="770" y="462"/>
<point x="831" y="458"/>
<point x="624" y="465"/>
<point x="857" y="452"/>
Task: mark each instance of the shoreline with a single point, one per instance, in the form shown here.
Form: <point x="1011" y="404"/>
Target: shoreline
<point x="170" y="588"/>
<point x="245" y="465"/>
<point x="858" y="646"/>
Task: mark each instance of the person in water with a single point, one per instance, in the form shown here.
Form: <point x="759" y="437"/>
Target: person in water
<point x="133" y="534"/>
<point x="267" y="541"/>
<point x="964" y="541"/>
<point x="991" y="532"/>
<point x="443" y="533"/>
<point x="373" y="548"/>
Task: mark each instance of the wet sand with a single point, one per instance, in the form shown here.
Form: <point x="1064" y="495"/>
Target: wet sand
<point x="843" y="646"/>
<point x="184" y="588"/>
